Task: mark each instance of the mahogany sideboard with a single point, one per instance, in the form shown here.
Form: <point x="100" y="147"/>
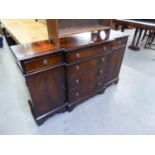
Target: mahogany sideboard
<point x="60" y="78"/>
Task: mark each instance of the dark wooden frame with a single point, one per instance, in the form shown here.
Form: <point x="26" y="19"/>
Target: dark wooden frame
<point x="42" y="106"/>
<point x="46" y="66"/>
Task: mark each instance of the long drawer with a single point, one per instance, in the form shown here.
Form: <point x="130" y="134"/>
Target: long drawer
<point x="83" y="66"/>
<point x="85" y="90"/>
<point x="80" y="54"/>
<point x="87" y="76"/>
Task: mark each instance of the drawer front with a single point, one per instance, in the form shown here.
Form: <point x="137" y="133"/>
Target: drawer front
<point x="81" y="92"/>
<point x="85" y="90"/>
<point x="87" y="76"/>
<point x="119" y="42"/>
<point x="83" y="66"/>
<point x="78" y="55"/>
<point x="39" y="63"/>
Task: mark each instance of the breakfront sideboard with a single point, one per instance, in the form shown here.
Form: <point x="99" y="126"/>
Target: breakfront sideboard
<point x="62" y="72"/>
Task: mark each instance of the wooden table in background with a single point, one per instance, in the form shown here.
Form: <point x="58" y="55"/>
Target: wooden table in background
<point x="25" y="31"/>
<point x="140" y="25"/>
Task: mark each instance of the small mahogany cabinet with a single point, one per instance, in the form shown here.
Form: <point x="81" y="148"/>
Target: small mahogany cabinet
<point x="61" y="76"/>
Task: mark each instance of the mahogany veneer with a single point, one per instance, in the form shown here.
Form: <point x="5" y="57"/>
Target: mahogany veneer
<point x="60" y="78"/>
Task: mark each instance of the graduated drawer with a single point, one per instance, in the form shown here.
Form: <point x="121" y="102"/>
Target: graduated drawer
<point x="42" y="62"/>
<point x="83" y="66"/>
<point x="85" y="91"/>
<point x="119" y="42"/>
<point x="87" y="52"/>
<point x="87" y="76"/>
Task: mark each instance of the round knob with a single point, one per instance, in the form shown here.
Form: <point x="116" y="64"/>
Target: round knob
<point x="101" y="71"/>
<point x="103" y="59"/>
<point x="77" y="94"/>
<point x="45" y="62"/>
<point x="77" y="81"/>
<point x="77" y="67"/>
<point x="63" y="87"/>
<point x="104" y="47"/>
<point x="99" y="83"/>
<point x="78" y="55"/>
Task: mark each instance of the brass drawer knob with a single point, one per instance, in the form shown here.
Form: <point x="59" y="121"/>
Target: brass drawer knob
<point x="101" y="71"/>
<point x="63" y="87"/>
<point x="105" y="48"/>
<point x="77" y="81"/>
<point x="77" y="94"/>
<point x="77" y="67"/>
<point x="78" y="55"/>
<point x="103" y="59"/>
<point x="99" y="83"/>
<point x="119" y="43"/>
<point x="45" y="62"/>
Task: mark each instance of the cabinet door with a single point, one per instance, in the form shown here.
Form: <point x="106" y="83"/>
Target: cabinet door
<point x="114" y="64"/>
<point x="47" y="90"/>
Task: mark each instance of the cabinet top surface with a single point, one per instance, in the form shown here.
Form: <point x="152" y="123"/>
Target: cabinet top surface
<point x="40" y="48"/>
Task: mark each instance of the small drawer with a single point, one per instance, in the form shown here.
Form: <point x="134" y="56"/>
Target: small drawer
<point x="100" y="82"/>
<point x="102" y="60"/>
<point x="82" y="66"/>
<point x="42" y="62"/>
<point x="85" y="65"/>
<point x="81" y="92"/>
<point x="119" y="42"/>
<point x="85" y="90"/>
<point x="79" y="55"/>
<point x="87" y="76"/>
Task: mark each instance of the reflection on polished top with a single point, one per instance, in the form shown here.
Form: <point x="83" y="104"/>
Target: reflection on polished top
<point x="30" y="50"/>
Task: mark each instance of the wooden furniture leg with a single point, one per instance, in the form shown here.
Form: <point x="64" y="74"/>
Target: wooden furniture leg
<point x="116" y="26"/>
<point x="150" y="39"/>
<point x="135" y="42"/>
<point x="139" y="36"/>
<point x="122" y="29"/>
<point x="1" y="37"/>
<point x="153" y="36"/>
<point x="145" y="34"/>
<point x="1" y="41"/>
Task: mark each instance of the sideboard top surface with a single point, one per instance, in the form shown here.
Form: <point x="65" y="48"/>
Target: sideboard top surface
<point x="31" y="50"/>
